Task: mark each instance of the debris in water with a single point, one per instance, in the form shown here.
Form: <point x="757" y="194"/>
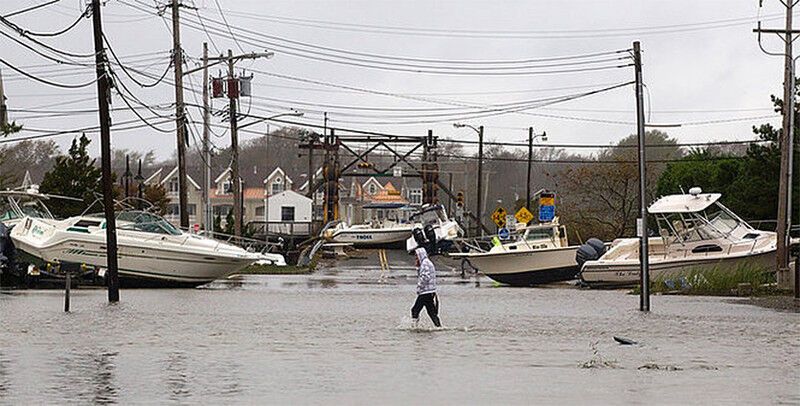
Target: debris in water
<point x="656" y="367"/>
<point x="624" y="341"/>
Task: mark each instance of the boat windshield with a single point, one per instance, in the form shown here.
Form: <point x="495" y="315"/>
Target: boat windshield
<point x="12" y="208"/>
<point x="712" y="223"/>
<point x="539" y="233"/>
<point x="430" y="216"/>
<point x="146" y="222"/>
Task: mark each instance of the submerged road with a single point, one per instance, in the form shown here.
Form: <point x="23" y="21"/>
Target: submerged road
<point x="343" y="335"/>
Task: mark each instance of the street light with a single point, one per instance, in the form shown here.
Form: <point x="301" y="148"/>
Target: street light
<point x="531" y="138"/>
<point x="479" y="210"/>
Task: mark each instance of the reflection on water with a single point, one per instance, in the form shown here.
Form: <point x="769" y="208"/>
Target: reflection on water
<point x="346" y="338"/>
<point x="85" y="376"/>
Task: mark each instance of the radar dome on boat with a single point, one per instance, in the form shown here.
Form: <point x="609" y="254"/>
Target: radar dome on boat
<point x="695" y="191"/>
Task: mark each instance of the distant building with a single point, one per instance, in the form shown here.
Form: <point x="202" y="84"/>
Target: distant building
<point x="194" y="194"/>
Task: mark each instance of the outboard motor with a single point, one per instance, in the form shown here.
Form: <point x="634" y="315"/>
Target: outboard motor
<point x="430" y="234"/>
<point x="8" y="253"/>
<point x="590" y="251"/>
<point x="419" y="236"/>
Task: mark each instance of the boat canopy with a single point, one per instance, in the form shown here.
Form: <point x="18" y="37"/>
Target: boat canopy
<point x="687" y="203"/>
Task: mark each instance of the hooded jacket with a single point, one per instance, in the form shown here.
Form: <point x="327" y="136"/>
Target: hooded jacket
<point x="426" y="273"/>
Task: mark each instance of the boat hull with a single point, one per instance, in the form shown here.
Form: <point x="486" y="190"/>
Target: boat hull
<point x="163" y="261"/>
<point x="525" y="268"/>
<point x="372" y="237"/>
<point x="610" y="275"/>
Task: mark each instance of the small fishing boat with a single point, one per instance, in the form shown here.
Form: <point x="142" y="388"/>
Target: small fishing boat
<point x="151" y="251"/>
<point x="696" y="232"/>
<point x="386" y="224"/>
<point x="541" y="254"/>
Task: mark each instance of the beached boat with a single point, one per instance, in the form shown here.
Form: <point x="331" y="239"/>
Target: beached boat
<point x="386" y="225"/>
<point x="541" y="254"/>
<point x="151" y="251"/>
<point x="433" y="229"/>
<point x="696" y="232"/>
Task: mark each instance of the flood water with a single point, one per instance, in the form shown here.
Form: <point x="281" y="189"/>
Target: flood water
<point x="343" y="335"/>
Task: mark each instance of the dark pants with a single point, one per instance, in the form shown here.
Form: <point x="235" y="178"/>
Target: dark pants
<point x="431" y="304"/>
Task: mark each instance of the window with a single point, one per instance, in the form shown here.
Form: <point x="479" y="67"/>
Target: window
<point x="222" y="210"/>
<point x="173" y="210"/>
<point x="277" y="187"/>
<point x="415" y="196"/>
<point x="173" y="186"/>
<point x="372" y="189"/>
<point x="287" y="213"/>
<point x="192" y="209"/>
<point x="227" y="187"/>
<point x="260" y="211"/>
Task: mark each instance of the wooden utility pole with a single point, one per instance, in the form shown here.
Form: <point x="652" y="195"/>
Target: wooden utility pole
<point x="208" y="217"/>
<point x="180" y="118"/>
<point x="786" y="143"/>
<point x="479" y="206"/>
<point x="641" y="227"/>
<point x="112" y="276"/>
<point x="233" y="96"/>
<point x="530" y="164"/>
<point x="3" y="107"/>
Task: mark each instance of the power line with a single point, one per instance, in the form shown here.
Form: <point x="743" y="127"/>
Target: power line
<point x="47" y="82"/>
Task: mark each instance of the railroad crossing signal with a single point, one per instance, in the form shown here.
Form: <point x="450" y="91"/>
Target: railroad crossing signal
<point x="499" y="217"/>
<point x="524" y="215"/>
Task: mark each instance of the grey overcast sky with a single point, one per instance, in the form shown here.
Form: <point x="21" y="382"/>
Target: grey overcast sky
<point x="702" y="64"/>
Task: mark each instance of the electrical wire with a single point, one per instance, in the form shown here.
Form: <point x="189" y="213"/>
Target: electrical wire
<point x="125" y="70"/>
<point x="47" y="82"/>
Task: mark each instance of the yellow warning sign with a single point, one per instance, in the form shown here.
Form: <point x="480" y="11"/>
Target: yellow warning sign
<point x="524" y="215"/>
<point x="499" y="216"/>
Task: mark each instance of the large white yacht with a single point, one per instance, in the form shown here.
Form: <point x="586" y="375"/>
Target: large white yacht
<point x="696" y="232"/>
<point x="541" y="254"/>
<point x="151" y="251"/>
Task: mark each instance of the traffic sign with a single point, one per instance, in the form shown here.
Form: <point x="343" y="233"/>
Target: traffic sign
<point x="524" y="215"/>
<point x="547" y="207"/>
<point x="503" y="233"/>
<point x="499" y="217"/>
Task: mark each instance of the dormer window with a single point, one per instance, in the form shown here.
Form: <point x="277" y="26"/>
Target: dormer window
<point x="227" y="187"/>
<point x="372" y="189"/>
<point x="173" y="186"/>
<point x="277" y="186"/>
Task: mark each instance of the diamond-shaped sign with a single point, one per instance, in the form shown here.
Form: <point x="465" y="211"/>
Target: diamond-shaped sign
<point x="524" y="215"/>
<point x="499" y="217"/>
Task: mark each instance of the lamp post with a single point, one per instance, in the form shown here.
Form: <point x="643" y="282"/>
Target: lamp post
<point x="478" y="211"/>
<point x="531" y="138"/>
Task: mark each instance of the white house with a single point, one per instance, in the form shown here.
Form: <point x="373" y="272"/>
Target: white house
<point x="289" y="212"/>
<point x="277" y="182"/>
<point x="194" y="193"/>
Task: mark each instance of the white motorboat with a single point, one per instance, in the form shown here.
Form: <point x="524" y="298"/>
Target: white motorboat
<point x="386" y="225"/>
<point x="696" y="233"/>
<point x="433" y="226"/>
<point x="151" y="251"/>
<point x="540" y="255"/>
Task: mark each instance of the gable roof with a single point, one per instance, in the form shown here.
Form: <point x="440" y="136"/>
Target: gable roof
<point x="174" y="172"/>
<point x="278" y="170"/>
<point x="222" y="175"/>
<point x="291" y="192"/>
<point x="156" y="174"/>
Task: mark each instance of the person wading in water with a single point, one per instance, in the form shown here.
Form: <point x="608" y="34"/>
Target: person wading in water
<point x="426" y="289"/>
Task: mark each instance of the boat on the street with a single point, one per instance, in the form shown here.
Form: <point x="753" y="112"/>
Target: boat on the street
<point x="386" y="224"/>
<point x="433" y="229"/>
<point x="151" y="251"/>
<point x="541" y="254"/>
<point x="696" y="232"/>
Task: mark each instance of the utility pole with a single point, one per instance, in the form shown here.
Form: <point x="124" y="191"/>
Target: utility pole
<point x="3" y="107"/>
<point x="641" y="227"/>
<point x="112" y="276"/>
<point x="479" y="206"/>
<point x="786" y="143"/>
<point x="208" y="214"/>
<point x="233" y="96"/>
<point x="180" y="119"/>
<point x="127" y="176"/>
<point x="530" y="164"/>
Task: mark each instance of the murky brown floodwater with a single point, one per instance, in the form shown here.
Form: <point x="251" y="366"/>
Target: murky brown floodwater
<point x="341" y="336"/>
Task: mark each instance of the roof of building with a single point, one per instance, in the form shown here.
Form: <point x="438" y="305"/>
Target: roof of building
<point x="278" y="171"/>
